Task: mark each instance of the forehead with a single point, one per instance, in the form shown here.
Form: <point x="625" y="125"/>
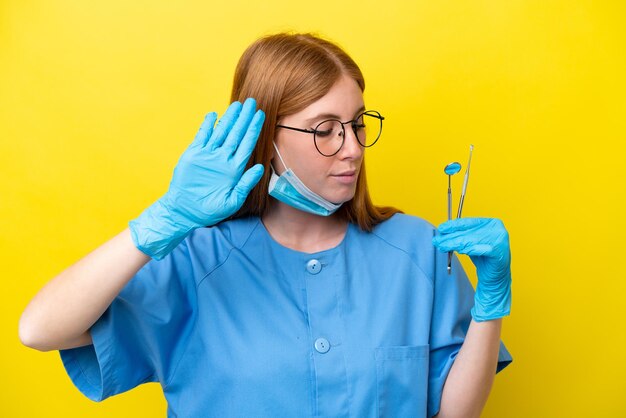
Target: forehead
<point x="343" y="101"/>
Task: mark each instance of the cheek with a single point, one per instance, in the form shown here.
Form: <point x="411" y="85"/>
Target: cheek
<point x="317" y="172"/>
<point x="308" y="167"/>
<point x="295" y="155"/>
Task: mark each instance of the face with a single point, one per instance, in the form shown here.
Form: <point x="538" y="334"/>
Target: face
<point x="325" y="176"/>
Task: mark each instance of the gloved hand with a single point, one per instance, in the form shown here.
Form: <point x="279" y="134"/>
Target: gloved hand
<point x="486" y="241"/>
<point x="209" y="183"/>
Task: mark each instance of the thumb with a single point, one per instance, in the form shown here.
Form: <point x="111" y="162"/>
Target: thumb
<point x="248" y="180"/>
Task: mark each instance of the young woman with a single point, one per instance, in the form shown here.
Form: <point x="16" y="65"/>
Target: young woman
<point x="265" y="283"/>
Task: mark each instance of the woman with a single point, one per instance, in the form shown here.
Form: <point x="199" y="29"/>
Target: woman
<point x="265" y="283"/>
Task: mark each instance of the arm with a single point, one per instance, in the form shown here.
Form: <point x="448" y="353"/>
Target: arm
<point x="470" y="379"/>
<point x="486" y="241"/>
<point x="60" y="315"/>
<point x="210" y="183"/>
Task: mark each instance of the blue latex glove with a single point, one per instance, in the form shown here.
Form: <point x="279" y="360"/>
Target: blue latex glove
<point x="209" y="183"/>
<point x="486" y="241"/>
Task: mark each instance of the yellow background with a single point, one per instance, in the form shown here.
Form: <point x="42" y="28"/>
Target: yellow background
<point x="99" y="99"/>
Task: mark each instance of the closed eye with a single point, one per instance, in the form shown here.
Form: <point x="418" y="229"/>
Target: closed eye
<point x="323" y="133"/>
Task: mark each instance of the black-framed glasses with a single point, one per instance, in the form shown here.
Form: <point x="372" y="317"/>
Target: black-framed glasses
<point x="329" y="135"/>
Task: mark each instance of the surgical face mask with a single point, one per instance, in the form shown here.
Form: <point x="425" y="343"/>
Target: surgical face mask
<point x="289" y="189"/>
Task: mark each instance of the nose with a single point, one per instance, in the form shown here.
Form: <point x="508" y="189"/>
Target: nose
<point x="351" y="147"/>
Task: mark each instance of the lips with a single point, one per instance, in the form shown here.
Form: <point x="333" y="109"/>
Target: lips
<point x="346" y="177"/>
<point x="346" y="173"/>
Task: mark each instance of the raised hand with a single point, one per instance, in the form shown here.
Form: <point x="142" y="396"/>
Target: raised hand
<point x="209" y="183"/>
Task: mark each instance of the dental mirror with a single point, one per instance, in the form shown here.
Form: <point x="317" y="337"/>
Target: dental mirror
<point x="451" y="169"/>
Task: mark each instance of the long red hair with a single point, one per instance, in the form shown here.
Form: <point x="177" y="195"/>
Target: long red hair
<point x="285" y="73"/>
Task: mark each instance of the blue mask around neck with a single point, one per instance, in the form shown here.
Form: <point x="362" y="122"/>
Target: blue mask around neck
<point x="289" y="189"/>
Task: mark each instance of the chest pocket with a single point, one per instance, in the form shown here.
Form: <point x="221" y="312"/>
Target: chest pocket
<point x="402" y="381"/>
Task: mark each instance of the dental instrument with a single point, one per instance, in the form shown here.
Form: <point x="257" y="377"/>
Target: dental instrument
<point x="450" y="169"/>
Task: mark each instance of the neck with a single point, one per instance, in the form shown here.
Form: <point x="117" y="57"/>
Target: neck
<point x="301" y="230"/>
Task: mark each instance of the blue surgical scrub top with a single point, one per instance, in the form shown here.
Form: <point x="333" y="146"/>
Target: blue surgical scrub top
<point x="234" y="324"/>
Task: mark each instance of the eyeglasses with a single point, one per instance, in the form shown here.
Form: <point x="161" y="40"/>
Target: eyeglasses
<point x="329" y="135"/>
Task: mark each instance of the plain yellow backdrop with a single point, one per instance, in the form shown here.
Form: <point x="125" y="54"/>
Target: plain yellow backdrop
<point x="99" y="99"/>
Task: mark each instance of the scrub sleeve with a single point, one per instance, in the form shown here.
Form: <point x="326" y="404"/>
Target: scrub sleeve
<point x="451" y="317"/>
<point x="146" y="326"/>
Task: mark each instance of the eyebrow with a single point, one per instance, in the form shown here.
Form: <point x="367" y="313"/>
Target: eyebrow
<point x="332" y="115"/>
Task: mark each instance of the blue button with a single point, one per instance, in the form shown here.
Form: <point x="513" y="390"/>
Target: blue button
<point x="322" y="345"/>
<point x="314" y="266"/>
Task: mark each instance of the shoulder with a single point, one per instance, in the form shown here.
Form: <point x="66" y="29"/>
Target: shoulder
<point x="404" y="229"/>
<point x="210" y="246"/>
<point x="199" y="253"/>
<point x="410" y="235"/>
<point x="231" y="233"/>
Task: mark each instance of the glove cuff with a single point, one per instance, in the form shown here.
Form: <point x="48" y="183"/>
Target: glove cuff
<point x="154" y="234"/>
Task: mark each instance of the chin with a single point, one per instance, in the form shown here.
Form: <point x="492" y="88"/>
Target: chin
<point x="341" y="198"/>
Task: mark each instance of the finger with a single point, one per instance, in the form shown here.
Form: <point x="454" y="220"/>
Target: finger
<point x="462" y="245"/>
<point x="241" y="126"/>
<point x="466" y="235"/>
<point x="204" y="133"/>
<point x="247" y="144"/>
<point x="477" y="250"/>
<point x="224" y="125"/>
<point x="462" y="224"/>
<point x="246" y="183"/>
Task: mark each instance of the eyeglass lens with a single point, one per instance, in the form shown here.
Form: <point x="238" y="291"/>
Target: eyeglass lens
<point x="329" y="135"/>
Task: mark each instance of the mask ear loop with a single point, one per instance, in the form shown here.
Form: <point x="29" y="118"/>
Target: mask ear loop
<point x="279" y="156"/>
